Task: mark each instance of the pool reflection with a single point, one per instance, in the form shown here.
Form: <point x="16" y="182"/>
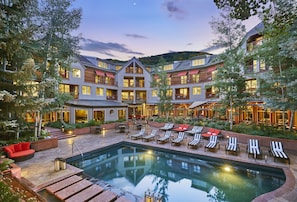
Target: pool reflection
<point x="178" y="177"/>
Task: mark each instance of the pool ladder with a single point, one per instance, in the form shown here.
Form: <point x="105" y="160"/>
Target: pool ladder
<point x="73" y="144"/>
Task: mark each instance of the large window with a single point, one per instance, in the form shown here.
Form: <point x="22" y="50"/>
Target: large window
<point x="99" y="91"/>
<point x="197" y="90"/>
<point x="195" y="78"/>
<point x="76" y="73"/>
<point x="64" y="88"/>
<point x="251" y="86"/>
<point x="183" y="79"/>
<point x="154" y="93"/>
<point x="128" y="82"/>
<point x="86" y="90"/>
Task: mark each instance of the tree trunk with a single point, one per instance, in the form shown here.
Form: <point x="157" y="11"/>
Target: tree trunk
<point x="231" y="115"/>
<point x="292" y="119"/>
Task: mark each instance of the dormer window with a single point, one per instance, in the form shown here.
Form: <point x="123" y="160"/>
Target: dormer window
<point x="198" y="62"/>
<point x="102" y="64"/>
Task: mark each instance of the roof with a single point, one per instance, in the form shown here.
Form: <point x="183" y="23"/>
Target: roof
<point x="96" y="103"/>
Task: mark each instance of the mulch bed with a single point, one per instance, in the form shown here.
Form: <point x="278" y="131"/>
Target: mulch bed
<point x="25" y="193"/>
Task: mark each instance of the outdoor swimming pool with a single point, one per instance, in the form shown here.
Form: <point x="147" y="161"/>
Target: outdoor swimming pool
<point x="177" y="176"/>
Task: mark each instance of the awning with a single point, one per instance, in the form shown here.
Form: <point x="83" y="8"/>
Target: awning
<point x="108" y="74"/>
<point x="182" y="73"/>
<point x="99" y="73"/>
<point x="194" y="71"/>
<point x="211" y="69"/>
<point x="197" y="104"/>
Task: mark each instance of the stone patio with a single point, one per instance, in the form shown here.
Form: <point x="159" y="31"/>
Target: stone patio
<point x="39" y="171"/>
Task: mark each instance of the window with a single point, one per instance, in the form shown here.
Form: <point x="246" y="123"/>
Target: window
<point x="198" y="62"/>
<point x="251" y="86"/>
<point x="76" y="73"/>
<point x="197" y="90"/>
<point x="184" y="165"/>
<point x="86" y="90"/>
<point x="168" y="67"/>
<point x="99" y="91"/>
<point x="213" y="74"/>
<point x="255" y="65"/>
<point x="183" y="79"/>
<point x="262" y="65"/>
<point x="196" y="168"/>
<point x="63" y="88"/>
<point x="195" y="78"/>
<point x="169" y="81"/>
<point x="169" y="93"/>
<point x="128" y="82"/>
<point x="102" y="64"/>
<point x="154" y="93"/>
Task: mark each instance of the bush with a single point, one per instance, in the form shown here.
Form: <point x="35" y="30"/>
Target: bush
<point x="6" y="194"/>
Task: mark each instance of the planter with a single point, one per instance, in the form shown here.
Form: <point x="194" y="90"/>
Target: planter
<point x="44" y="144"/>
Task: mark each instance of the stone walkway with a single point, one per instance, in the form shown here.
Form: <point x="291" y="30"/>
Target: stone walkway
<point x="39" y="171"/>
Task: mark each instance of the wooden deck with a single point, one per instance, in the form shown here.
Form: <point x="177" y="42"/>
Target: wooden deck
<point x="75" y="188"/>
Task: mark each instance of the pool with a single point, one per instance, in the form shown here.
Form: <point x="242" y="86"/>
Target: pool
<point x="177" y="176"/>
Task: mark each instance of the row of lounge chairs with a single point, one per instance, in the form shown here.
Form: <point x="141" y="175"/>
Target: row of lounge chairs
<point x="232" y="146"/>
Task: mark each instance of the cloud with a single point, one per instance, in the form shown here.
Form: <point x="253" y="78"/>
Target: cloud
<point x="189" y="44"/>
<point x="105" y="48"/>
<point x="174" y="9"/>
<point x="136" y="36"/>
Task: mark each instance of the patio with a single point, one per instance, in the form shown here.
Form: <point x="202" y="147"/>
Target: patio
<point x="39" y="171"/>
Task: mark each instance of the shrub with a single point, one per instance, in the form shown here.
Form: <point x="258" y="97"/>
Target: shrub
<point x="6" y="194"/>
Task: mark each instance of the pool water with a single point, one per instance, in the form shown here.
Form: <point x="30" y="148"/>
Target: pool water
<point x="178" y="176"/>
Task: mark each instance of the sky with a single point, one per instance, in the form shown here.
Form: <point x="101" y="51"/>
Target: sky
<point x="122" y="29"/>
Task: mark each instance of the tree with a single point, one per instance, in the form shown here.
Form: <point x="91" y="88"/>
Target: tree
<point x="160" y="83"/>
<point x="278" y="50"/>
<point x="35" y="43"/>
<point x="229" y="81"/>
<point x="17" y="67"/>
<point x="279" y="86"/>
<point x="55" y="48"/>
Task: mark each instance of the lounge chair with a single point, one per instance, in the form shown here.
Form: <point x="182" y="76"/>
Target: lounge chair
<point x="180" y="138"/>
<point x="253" y="148"/>
<point x="195" y="142"/>
<point x="167" y="126"/>
<point x="210" y="132"/>
<point x="194" y="130"/>
<point x="138" y="135"/>
<point x="213" y="143"/>
<point x="232" y="145"/>
<point x="276" y="149"/>
<point x="182" y="128"/>
<point x="150" y="136"/>
<point x="164" y="138"/>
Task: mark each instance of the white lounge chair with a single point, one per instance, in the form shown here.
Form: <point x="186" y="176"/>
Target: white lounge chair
<point x="195" y="142"/>
<point x="213" y="143"/>
<point x="165" y="138"/>
<point x="167" y="126"/>
<point x="138" y="135"/>
<point x="253" y="148"/>
<point x="194" y="130"/>
<point x="150" y="136"/>
<point x="180" y="138"/>
<point x="276" y="148"/>
<point x="232" y="145"/>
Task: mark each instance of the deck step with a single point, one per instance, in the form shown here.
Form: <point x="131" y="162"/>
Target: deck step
<point x="57" y="133"/>
<point x="73" y="189"/>
<point x="87" y="193"/>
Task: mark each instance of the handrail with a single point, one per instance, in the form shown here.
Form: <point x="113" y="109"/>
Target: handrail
<point x="81" y="153"/>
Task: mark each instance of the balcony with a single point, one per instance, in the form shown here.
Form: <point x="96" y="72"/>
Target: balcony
<point x="181" y="97"/>
<point x="112" y="97"/>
